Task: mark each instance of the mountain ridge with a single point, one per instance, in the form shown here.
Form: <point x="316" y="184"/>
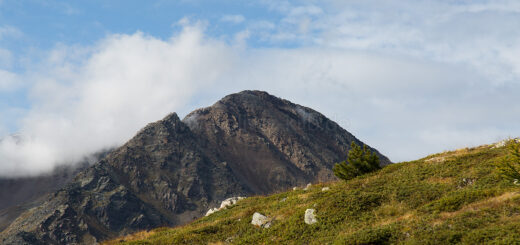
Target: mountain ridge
<point x="173" y="171"/>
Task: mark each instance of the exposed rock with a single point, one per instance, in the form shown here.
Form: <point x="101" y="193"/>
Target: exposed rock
<point x="230" y="239"/>
<point x="307" y="187"/>
<point x="18" y="194"/>
<point x="466" y="182"/>
<point x="230" y="201"/>
<point x="310" y="217"/>
<point x="271" y="143"/>
<point x="325" y="188"/>
<point x="211" y="211"/>
<point x="500" y="144"/>
<point x="172" y="171"/>
<point x="261" y="220"/>
<point x="226" y="203"/>
<point x="503" y="143"/>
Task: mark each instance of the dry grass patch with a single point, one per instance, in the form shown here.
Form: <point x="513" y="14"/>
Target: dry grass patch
<point x="132" y="237"/>
<point x="304" y="195"/>
<point x="440" y="180"/>
<point x="493" y="202"/>
<point x="407" y="216"/>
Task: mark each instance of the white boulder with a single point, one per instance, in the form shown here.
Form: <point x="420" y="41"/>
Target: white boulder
<point x="325" y="188"/>
<point x="230" y="201"/>
<point x="504" y="142"/>
<point x="226" y="203"/>
<point x="261" y="220"/>
<point x="211" y="210"/>
<point x="500" y="144"/>
<point x="310" y="217"/>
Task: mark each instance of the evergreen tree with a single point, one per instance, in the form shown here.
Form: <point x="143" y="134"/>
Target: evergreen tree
<point x="359" y="161"/>
<point x="509" y="166"/>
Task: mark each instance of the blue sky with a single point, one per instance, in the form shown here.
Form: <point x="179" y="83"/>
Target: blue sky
<point x="410" y="78"/>
<point x="41" y="24"/>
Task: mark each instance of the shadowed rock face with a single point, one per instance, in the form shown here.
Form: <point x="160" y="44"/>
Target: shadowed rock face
<point x="18" y="194"/>
<point x="173" y="171"/>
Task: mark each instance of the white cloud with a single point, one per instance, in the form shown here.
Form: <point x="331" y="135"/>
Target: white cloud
<point x="482" y="34"/>
<point x="8" y="81"/>
<point x="126" y="82"/>
<point x="410" y="79"/>
<point x="236" y="19"/>
<point x="392" y="103"/>
<point x="406" y="107"/>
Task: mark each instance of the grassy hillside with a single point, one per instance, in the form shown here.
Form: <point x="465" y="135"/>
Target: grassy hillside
<point x="450" y="197"/>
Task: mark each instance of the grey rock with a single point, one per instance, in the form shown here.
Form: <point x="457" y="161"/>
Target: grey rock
<point x="310" y="217"/>
<point x="19" y="194"/>
<point x="211" y="211"/>
<point x="226" y="203"/>
<point x="230" y="201"/>
<point x="261" y="220"/>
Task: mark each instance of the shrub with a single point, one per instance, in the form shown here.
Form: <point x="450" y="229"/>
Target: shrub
<point x="359" y="161"/>
<point x="509" y="166"/>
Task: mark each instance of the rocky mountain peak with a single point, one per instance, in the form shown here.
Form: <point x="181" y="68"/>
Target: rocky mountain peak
<point x="173" y="171"/>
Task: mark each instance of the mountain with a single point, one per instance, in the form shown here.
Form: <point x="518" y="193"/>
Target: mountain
<point x="454" y="197"/>
<point x="173" y="171"/>
<point x="18" y="194"/>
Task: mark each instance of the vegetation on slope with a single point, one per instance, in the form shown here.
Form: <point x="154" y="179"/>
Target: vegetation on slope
<point x="359" y="161"/>
<point x="451" y="197"/>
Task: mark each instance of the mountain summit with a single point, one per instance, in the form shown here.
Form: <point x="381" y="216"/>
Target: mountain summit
<point x="174" y="170"/>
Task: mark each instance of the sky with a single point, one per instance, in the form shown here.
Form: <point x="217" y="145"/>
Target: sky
<point x="408" y="77"/>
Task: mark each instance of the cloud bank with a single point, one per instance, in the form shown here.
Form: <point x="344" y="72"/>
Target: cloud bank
<point x="125" y="82"/>
<point x="409" y="79"/>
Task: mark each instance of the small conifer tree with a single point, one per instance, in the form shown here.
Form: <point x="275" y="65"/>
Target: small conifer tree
<point x="359" y="161"/>
<point x="509" y="166"/>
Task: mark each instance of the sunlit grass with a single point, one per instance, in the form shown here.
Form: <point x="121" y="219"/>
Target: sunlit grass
<point x="451" y="197"/>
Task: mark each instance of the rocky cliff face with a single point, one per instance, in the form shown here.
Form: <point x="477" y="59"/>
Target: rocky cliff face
<point x="270" y="143"/>
<point x="18" y="194"/>
<point x="173" y="171"/>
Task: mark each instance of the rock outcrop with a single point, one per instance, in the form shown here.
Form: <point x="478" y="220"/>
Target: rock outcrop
<point x="226" y="203"/>
<point x="310" y="217"/>
<point x="18" y="194"/>
<point x="172" y="171"/>
<point x="260" y="220"/>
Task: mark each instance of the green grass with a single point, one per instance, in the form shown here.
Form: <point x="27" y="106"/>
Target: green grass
<point x="446" y="198"/>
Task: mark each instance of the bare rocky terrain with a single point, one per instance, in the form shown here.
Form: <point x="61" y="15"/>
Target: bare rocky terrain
<point x="174" y="170"/>
<point x="18" y="194"/>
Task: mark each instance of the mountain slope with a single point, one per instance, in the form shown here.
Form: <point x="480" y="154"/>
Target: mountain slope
<point x="173" y="171"/>
<point x="270" y="143"/>
<point x="446" y="198"/>
<point x="18" y="194"/>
